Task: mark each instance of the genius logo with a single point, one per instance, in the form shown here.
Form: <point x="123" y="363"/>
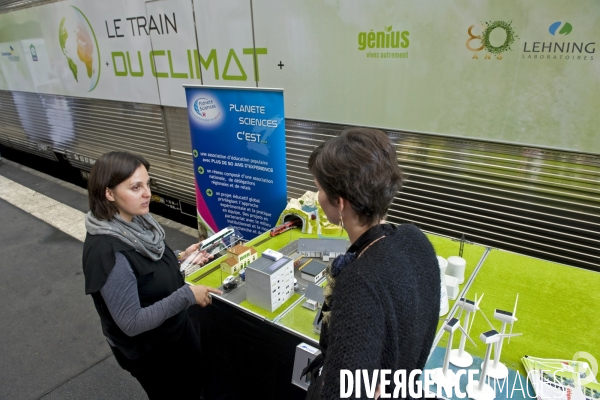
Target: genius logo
<point x="79" y="46"/>
<point x="383" y="39"/>
<point x="565" y="30"/>
<point x="386" y="39"/>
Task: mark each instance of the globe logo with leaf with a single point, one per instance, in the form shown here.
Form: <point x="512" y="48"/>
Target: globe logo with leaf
<point x="79" y="45"/>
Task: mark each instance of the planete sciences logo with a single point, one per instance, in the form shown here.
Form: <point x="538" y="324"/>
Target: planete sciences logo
<point x="207" y="111"/>
<point x="79" y="46"/>
<point x="490" y="39"/>
<point x="10" y="54"/>
<point x="381" y="44"/>
<point x="557" y="47"/>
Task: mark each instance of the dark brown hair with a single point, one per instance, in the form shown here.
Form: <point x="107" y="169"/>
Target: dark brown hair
<point x="108" y="171"/>
<point x="360" y="165"/>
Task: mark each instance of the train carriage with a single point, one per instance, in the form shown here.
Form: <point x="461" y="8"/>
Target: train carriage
<point x="493" y="111"/>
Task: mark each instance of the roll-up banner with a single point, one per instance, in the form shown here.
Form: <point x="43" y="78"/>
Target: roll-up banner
<point x="238" y="147"/>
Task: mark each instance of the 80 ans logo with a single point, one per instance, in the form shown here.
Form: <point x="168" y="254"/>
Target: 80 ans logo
<point x="495" y="37"/>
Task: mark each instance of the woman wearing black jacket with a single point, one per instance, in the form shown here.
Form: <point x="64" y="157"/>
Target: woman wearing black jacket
<point x="382" y="298"/>
<point x="133" y="277"/>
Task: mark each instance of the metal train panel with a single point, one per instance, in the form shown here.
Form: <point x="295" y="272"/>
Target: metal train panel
<point x="537" y="201"/>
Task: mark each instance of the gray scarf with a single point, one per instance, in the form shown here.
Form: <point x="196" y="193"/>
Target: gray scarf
<point x="144" y="234"/>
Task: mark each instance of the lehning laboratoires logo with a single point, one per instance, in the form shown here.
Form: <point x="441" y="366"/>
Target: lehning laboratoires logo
<point x="10" y="54"/>
<point x="557" y="47"/>
<point x="79" y="45"/>
<point x="494" y="37"/>
<point x="565" y="30"/>
<point x="207" y="110"/>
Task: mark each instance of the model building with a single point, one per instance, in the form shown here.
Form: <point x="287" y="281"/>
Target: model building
<point x="314" y="297"/>
<point x="325" y="248"/>
<point x="313" y="271"/>
<point x="270" y="283"/>
<point x="239" y="256"/>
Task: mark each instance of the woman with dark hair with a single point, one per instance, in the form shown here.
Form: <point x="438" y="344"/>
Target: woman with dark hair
<point x="134" y="279"/>
<point x="382" y="299"/>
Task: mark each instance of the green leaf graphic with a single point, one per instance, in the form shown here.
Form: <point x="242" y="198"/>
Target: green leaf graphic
<point x="388" y="28"/>
<point x="510" y="36"/>
<point x="62" y="34"/>
<point x="566" y="29"/>
<point x="73" y="68"/>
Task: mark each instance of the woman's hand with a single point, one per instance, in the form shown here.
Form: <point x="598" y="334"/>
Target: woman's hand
<point x="201" y="258"/>
<point x="203" y="294"/>
<point x="187" y="252"/>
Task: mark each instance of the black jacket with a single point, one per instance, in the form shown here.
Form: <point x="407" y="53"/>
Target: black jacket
<point x="384" y="308"/>
<point x="156" y="280"/>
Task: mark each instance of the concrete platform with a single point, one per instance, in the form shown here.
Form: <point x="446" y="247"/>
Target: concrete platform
<point x="52" y="343"/>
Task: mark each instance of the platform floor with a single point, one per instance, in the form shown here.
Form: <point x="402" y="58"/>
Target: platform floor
<point x="52" y="343"/>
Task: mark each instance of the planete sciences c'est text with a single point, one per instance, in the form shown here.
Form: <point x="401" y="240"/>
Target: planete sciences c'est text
<point x="252" y="109"/>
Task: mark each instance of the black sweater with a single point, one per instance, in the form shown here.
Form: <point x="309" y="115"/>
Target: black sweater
<point x="384" y="309"/>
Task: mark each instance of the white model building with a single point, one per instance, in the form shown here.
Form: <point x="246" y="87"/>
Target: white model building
<point x="313" y="271"/>
<point x="326" y="248"/>
<point x="270" y="283"/>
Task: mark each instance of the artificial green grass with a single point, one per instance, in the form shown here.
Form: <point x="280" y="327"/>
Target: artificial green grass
<point x="446" y="247"/>
<point x="301" y="320"/>
<point x="213" y="280"/>
<point x="557" y="311"/>
<point x="268" y="314"/>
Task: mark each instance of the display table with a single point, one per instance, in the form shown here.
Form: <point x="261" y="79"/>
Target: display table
<point x="251" y="351"/>
<point x="247" y="357"/>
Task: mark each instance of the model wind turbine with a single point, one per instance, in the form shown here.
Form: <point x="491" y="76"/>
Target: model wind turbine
<point x="460" y="357"/>
<point x="479" y="390"/>
<point x="444" y="376"/>
<point x="498" y="370"/>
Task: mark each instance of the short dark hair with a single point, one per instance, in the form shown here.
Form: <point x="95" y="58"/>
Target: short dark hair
<point x="108" y="171"/>
<point x="361" y="166"/>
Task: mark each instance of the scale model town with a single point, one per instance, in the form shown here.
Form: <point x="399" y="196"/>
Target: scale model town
<point x="270" y="278"/>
